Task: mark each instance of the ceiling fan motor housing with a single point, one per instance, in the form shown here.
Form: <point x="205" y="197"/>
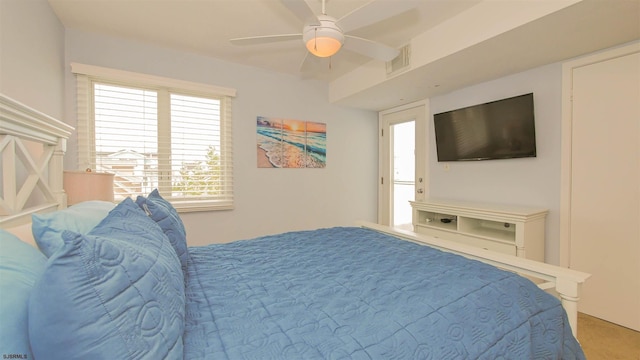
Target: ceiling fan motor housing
<point x="325" y="39"/>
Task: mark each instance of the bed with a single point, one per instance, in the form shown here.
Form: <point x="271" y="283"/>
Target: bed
<point x="117" y="281"/>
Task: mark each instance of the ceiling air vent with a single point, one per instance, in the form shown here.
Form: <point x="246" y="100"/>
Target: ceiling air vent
<point x="400" y="62"/>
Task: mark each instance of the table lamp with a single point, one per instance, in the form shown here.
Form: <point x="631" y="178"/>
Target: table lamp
<point x="87" y="185"/>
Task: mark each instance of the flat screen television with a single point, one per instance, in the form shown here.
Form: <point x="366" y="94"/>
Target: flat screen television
<point x="501" y="129"/>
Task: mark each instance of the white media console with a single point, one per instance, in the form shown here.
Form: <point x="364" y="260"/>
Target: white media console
<point x="513" y="230"/>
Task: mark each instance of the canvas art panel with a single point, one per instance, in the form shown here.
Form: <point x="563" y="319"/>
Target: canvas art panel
<point x="289" y="143"/>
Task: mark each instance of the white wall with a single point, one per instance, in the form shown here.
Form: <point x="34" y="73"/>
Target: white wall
<point x="31" y="55"/>
<point x="267" y="200"/>
<point x="528" y="181"/>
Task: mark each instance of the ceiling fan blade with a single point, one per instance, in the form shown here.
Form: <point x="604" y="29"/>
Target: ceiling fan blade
<point x="370" y="48"/>
<point x="373" y="12"/>
<point x="301" y="10"/>
<point x="266" y="39"/>
<point x="310" y="63"/>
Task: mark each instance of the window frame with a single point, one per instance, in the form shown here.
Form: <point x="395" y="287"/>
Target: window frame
<point x="87" y="75"/>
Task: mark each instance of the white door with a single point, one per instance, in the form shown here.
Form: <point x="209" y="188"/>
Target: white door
<point x="604" y="211"/>
<point x="402" y="164"/>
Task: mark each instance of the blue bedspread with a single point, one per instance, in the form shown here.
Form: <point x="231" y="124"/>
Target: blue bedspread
<point x="351" y="293"/>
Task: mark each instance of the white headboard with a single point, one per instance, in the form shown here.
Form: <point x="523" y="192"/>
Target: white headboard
<point x="32" y="145"/>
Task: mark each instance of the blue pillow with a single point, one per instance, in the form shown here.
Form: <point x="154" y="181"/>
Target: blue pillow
<point x="20" y="267"/>
<point x="48" y="228"/>
<point x="114" y="293"/>
<point x="163" y="213"/>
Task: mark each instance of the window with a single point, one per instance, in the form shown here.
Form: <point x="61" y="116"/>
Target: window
<point x="159" y="133"/>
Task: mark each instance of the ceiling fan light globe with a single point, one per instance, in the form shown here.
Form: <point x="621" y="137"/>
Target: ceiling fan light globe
<point x="323" y="40"/>
<point x="323" y="46"/>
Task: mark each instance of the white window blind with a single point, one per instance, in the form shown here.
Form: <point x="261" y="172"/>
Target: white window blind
<point x="153" y="135"/>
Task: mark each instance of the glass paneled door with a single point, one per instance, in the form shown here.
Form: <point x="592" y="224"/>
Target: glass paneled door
<point x="402" y="156"/>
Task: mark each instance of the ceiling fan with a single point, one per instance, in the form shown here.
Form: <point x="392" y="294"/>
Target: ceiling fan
<point x="324" y="35"/>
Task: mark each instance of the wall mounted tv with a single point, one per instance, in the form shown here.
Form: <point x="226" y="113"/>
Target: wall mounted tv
<point x="502" y="129"/>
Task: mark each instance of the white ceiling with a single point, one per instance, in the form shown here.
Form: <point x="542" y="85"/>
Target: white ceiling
<point x="205" y="27"/>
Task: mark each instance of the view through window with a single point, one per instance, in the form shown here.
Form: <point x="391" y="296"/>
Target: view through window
<point x="129" y="141"/>
<point x="157" y="133"/>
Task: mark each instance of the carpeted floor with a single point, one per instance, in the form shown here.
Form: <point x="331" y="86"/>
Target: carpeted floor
<point x="607" y="341"/>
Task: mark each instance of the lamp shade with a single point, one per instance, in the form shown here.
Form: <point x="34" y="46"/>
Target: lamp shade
<point x="87" y="185"/>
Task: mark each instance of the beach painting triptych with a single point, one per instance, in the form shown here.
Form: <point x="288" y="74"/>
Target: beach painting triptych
<point x="285" y="143"/>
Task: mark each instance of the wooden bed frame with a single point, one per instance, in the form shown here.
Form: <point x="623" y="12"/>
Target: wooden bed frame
<point x="21" y="125"/>
<point x="32" y="145"/>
